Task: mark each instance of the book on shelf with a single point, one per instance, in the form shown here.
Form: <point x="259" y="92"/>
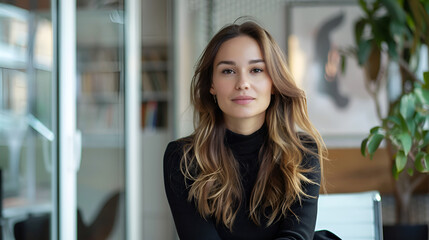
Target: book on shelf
<point x="100" y="82"/>
<point x="154" y="87"/>
<point x="99" y="118"/>
<point x="154" y="81"/>
<point x="149" y="114"/>
<point x="154" y="54"/>
<point x="162" y="79"/>
<point x="153" y="115"/>
<point x="146" y="82"/>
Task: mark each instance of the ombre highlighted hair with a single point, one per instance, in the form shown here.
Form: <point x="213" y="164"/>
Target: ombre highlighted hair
<point x="210" y="166"/>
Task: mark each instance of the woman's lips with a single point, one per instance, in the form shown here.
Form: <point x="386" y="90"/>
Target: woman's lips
<point x="243" y="100"/>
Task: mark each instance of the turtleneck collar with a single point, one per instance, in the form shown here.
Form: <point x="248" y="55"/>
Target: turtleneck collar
<point x="245" y="144"/>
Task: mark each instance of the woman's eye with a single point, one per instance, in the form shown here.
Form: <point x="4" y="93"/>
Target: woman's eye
<point x="228" y="71"/>
<point x="257" y="70"/>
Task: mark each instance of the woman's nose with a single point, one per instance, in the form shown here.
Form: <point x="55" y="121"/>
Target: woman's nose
<point x="242" y="83"/>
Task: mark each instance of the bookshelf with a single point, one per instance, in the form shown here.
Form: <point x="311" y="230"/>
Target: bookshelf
<point x="100" y="98"/>
<point x="155" y="97"/>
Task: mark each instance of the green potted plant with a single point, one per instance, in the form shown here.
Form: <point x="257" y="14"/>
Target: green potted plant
<point x="393" y="31"/>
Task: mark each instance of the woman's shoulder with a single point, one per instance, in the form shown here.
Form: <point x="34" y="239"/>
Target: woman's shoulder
<point x="174" y="179"/>
<point x="307" y="141"/>
<point x="310" y="158"/>
<point x="174" y="150"/>
<point x="178" y="144"/>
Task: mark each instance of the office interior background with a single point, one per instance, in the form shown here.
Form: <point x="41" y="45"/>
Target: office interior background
<point x="91" y="92"/>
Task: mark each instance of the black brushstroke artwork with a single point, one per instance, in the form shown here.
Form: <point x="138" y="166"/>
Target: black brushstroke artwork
<point x="328" y="59"/>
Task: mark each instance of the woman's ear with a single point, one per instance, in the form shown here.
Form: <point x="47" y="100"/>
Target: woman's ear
<point x="212" y="91"/>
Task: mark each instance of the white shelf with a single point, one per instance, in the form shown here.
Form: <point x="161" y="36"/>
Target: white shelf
<point x="103" y="139"/>
<point x="16" y="58"/>
<point x="25" y="208"/>
<point x="104" y="67"/>
<point x="154" y="66"/>
<point x="155" y="96"/>
<point x="44" y="67"/>
<point x="12" y="57"/>
<point x="102" y="97"/>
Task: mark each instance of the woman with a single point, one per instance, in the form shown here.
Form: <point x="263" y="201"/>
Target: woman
<point x="246" y="172"/>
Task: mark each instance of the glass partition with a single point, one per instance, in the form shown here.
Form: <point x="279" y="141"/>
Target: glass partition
<point x="27" y="119"/>
<point x="100" y="118"/>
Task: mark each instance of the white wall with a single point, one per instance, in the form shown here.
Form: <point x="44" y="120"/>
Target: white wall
<point x="154" y="22"/>
<point x="157" y="220"/>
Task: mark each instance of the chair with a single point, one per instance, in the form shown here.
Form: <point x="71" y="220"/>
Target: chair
<point x="38" y="227"/>
<point x="34" y="227"/>
<point x="102" y="226"/>
<point x="351" y="216"/>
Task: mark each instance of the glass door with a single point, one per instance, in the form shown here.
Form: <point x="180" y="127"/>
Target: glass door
<point x="28" y="117"/>
<point x="49" y="72"/>
<point x="100" y="117"/>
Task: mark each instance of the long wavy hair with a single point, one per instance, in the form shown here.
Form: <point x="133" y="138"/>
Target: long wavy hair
<point x="215" y="185"/>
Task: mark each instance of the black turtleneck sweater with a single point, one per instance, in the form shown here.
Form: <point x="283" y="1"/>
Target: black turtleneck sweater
<point x="245" y="148"/>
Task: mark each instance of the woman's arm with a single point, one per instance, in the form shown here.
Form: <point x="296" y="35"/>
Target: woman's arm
<point x="189" y="223"/>
<point x="303" y="227"/>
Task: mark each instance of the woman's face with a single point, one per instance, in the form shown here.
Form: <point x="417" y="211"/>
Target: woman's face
<point x="241" y="83"/>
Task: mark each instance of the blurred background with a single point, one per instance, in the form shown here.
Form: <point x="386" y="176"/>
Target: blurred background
<point x="92" y="91"/>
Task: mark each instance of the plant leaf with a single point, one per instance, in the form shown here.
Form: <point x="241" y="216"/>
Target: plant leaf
<point x="426" y="163"/>
<point x="395" y="120"/>
<point x="426" y="79"/>
<point x="363" y="51"/>
<point x="362" y="4"/>
<point x="410" y="23"/>
<point x="419" y="118"/>
<point x="400" y="161"/>
<point x="422" y="95"/>
<point x="396" y="28"/>
<point x="425" y="139"/>
<point x="424" y="9"/>
<point x="374" y="142"/>
<point x="395" y="172"/>
<point x="395" y="10"/>
<point x="380" y="29"/>
<point x="404" y="125"/>
<point x="359" y="26"/>
<point x="363" y="147"/>
<point x="406" y="142"/>
<point x="410" y="171"/>
<point x="407" y="106"/>
<point x="375" y="130"/>
<point x="418" y="162"/>
<point x="411" y="126"/>
<point x="393" y="53"/>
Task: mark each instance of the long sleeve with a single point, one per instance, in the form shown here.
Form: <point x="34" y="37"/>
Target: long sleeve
<point x="189" y="223"/>
<point x="245" y="148"/>
<point x="292" y="228"/>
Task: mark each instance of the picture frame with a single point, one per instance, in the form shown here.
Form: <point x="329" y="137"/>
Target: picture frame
<point x="318" y="33"/>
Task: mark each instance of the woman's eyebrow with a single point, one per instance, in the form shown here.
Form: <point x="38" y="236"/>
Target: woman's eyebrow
<point x="226" y="62"/>
<point x="256" y="61"/>
<point x="233" y="63"/>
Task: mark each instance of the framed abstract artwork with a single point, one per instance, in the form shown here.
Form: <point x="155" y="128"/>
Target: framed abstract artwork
<point x="338" y="103"/>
